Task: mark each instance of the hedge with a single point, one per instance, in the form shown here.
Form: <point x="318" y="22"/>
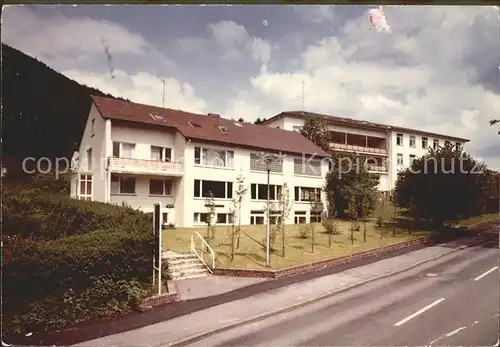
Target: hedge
<point x="66" y="261"/>
<point x="46" y="216"/>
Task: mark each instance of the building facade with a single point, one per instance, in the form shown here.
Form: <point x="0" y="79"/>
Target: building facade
<point x="386" y="149"/>
<point x="139" y="155"/>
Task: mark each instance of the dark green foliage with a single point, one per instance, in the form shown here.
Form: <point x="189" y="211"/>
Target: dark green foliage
<point x="316" y="130"/>
<point x="43" y="112"/>
<point x="66" y="260"/>
<point x="349" y="181"/>
<point x="444" y="185"/>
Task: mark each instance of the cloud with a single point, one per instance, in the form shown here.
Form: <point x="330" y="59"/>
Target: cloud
<point x="315" y="14"/>
<point x="227" y="40"/>
<point x="61" y="41"/>
<point x="408" y="78"/>
<point x="143" y="88"/>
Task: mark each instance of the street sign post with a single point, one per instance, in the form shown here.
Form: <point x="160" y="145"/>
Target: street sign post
<point x="157" y="223"/>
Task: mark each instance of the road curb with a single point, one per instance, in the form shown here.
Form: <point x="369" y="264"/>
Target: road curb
<point x="198" y="337"/>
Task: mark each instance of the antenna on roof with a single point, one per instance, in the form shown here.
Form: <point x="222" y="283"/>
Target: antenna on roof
<point x="303" y="95"/>
<point x="163" y="93"/>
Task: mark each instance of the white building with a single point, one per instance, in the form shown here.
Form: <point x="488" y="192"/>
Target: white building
<point x="141" y="154"/>
<point x="388" y="148"/>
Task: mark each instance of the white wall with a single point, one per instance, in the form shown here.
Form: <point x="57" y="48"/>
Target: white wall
<point x="241" y="163"/>
<point x="144" y="139"/>
<point x="96" y="141"/>
<point x="406" y="150"/>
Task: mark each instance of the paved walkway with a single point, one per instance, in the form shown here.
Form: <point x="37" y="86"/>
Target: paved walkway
<point x="196" y="288"/>
<point x="191" y="325"/>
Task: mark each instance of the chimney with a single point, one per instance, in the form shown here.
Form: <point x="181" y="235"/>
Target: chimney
<point x="215" y="115"/>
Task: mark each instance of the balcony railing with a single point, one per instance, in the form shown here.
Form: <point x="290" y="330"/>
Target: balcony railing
<point x="147" y="167"/>
<point x="376" y="168"/>
<point x="353" y="148"/>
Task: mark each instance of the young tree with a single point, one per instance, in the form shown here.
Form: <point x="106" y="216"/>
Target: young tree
<point x="353" y="216"/>
<point x="365" y="207"/>
<point x="211" y="216"/>
<point x="316" y="208"/>
<point x="233" y="214"/>
<point x="316" y="130"/>
<point x="445" y="185"/>
<point x="285" y="207"/>
<point x="240" y="192"/>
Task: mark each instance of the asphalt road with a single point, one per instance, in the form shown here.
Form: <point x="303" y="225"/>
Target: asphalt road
<point x="453" y="302"/>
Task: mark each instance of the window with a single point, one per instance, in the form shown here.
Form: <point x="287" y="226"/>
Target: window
<point x="164" y="217"/>
<point x="458" y="146"/>
<point x="258" y="162"/>
<point x="424" y="142"/>
<point x="256" y="217"/>
<point x="300" y="217"/>
<point x="92" y="128"/>
<point x="213" y="157"/>
<point x="122" y="184"/>
<point x="307" y="166"/>
<point x="435" y="144"/>
<point x="160" y="187"/>
<point x="123" y="150"/>
<point x="297" y="128"/>
<point x="194" y="125"/>
<point x="202" y="218"/>
<point x="446" y="143"/>
<point x="412" y="158"/>
<point x="259" y="191"/>
<point x="399" y="139"/>
<point x="155" y="116"/>
<point x="307" y="194"/>
<point x="315" y="217"/>
<point x="413" y="141"/>
<point x="219" y="189"/>
<point x="223" y="129"/>
<point x="85" y="187"/>
<point x="400" y="159"/>
<point x="89" y="159"/>
<point x="161" y="154"/>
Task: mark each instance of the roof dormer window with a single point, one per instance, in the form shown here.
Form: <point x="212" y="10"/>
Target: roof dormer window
<point x="194" y="125"/>
<point x="223" y="129"/>
<point x="155" y="116"/>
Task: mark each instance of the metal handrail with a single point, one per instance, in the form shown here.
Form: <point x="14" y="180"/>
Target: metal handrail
<point x="203" y="245"/>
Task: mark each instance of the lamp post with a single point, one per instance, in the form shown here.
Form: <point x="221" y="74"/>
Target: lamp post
<point x="268" y="226"/>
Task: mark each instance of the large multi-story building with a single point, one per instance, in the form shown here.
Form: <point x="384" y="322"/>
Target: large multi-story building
<point x="141" y="154"/>
<point x="387" y="148"/>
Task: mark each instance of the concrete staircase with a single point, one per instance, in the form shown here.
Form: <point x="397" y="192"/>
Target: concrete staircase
<point x="183" y="266"/>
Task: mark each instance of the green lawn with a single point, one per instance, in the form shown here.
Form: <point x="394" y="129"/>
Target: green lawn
<point x="251" y="255"/>
<point x="478" y="219"/>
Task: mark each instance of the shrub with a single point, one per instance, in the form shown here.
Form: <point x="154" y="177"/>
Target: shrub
<point x="304" y="231"/>
<point x="49" y="284"/>
<point x="66" y="260"/>
<point x="331" y="226"/>
<point x="42" y="215"/>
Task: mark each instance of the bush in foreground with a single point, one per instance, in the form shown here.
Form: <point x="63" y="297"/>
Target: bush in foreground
<point x="66" y="261"/>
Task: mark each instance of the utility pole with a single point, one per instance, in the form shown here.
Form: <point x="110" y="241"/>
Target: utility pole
<point x="163" y="93"/>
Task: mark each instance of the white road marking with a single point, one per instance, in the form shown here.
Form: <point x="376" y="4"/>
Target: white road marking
<point x="486" y="273"/>
<point x="419" y="312"/>
<point x="455" y="331"/>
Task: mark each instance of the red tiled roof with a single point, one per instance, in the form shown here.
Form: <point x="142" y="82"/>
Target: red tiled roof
<point x="237" y="134"/>
<point x="359" y="124"/>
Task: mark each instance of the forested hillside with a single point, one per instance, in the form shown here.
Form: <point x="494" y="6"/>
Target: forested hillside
<point x="43" y="111"/>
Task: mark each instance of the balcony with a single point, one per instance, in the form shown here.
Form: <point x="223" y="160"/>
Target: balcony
<point x="377" y="169"/>
<point x="359" y="149"/>
<point x="145" y="167"/>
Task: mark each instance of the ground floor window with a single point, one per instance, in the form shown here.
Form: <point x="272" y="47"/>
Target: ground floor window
<point x="315" y="217"/>
<point x="300" y="217"/>
<point x="85" y="187"/>
<point x="256" y="217"/>
<point x="122" y="184"/>
<point x="202" y="218"/>
<point x="164" y="216"/>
